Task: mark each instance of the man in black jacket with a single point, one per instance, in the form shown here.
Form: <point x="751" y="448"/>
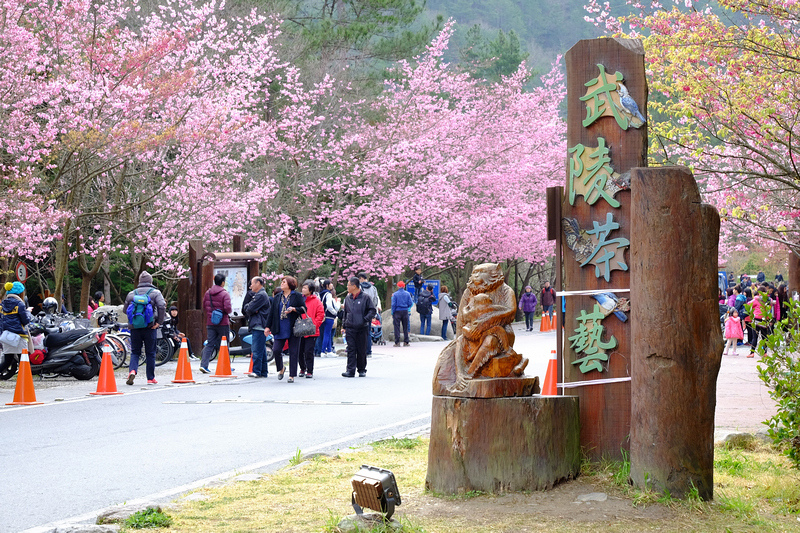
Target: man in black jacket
<point x="359" y="310"/>
<point x="257" y="312"/>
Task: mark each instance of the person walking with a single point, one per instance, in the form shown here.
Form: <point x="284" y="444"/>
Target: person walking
<point x="317" y="314"/>
<point x="287" y="306"/>
<point x="154" y="311"/>
<point x="425" y="310"/>
<point x="760" y="325"/>
<point x="445" y="311"/>
<point x="527" y="303"/>
<point x="401" y="303"/>
<point x="216" y="307"/>
<point x="548" y="299"/>
<point x="258" y="310"/>
<point x="359" y="310"/>
<point x="331" y="305"/>
<point x="370" y="290"/>
<point x="733" y="331"/>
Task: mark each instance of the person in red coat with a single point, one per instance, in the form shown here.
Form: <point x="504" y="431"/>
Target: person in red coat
<point x="317" y="314"/>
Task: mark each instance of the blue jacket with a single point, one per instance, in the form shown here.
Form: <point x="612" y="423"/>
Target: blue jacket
<point x="15" y="316"/>
<point x="401" y="300"/>
<point x="258" y="310"/>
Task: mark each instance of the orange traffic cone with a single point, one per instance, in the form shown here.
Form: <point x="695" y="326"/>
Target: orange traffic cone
<point x="549" y="387"/>
<point x="24" y="393"/>
<point x="554" y="322"/>
<point x="183" y="374"/>
<point x="106" y="382"/>
<point x="223" y="361"/>
<point x="250" y="370"/>
<point x="544" y="325"/>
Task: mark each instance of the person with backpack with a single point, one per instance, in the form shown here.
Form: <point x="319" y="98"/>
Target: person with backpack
<point x="425" y="309"/>
<point x="216" y="307"/>
<point x="146" y="309"/>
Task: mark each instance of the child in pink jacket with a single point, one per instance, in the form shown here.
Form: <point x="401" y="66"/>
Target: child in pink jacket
<point x="733" y="331"/>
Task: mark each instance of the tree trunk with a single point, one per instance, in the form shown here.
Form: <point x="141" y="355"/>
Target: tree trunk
<point x="675" y="355"/>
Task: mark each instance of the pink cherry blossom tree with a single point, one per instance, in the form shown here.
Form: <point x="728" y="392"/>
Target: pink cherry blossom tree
<point x="726" y="103"/>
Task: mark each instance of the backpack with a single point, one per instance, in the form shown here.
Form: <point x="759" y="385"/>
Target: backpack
<point x="424" y="304"/>
<point x="140" y="311"/>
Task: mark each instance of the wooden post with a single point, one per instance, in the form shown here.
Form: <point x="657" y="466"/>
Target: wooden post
<point x="677" y="346"/>
<point x="793" y="280"/>
<point x="605" y="407"/>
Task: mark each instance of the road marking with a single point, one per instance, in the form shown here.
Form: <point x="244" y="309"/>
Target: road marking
<point x="92" y="515"/>
<point x="290" y="402"/>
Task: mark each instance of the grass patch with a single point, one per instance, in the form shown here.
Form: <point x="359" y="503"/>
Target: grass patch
<point x="755" y="490"/>
<point x="147" y="519"/>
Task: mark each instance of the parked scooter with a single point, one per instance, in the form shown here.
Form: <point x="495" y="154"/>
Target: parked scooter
<point x="75" y="352"/>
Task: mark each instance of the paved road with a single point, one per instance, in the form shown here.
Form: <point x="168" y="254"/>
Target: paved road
<point x="77" y="454"/>
<point x="73" y="456"/>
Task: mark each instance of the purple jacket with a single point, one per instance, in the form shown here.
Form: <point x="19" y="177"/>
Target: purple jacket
<point x="217" y="298"/>
<point x="527" y="302"/>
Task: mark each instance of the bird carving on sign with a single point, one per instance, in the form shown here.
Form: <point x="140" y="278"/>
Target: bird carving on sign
<point x="577" y="239"/>
<point x="610" y="303"/>
<point x="629" y="106"/>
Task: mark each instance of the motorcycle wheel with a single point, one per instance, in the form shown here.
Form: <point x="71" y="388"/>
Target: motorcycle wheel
<point x="83" y="373"/>
<point x="270" y="355"/>
<point x="8" y="367"/>
<point x="118" y="352"/>
<point x="164" y="351"/>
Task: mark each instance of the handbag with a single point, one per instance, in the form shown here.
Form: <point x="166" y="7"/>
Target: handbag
<point x="303" y="327"/>
<point x="10" y="338"/>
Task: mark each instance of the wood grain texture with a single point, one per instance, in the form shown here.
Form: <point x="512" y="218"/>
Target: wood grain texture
<point x="502" y="444"/>
<point x="605" y="409"/>
<point x="677" y="346"/>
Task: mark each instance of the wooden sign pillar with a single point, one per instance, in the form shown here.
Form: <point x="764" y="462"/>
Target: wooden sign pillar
<point x="606" y="137"/>
<point x="200" y="278"/>
<point x="677" y="349"/>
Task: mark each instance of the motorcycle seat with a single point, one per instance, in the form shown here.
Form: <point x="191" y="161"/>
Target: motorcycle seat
<point x="56" y="340"/>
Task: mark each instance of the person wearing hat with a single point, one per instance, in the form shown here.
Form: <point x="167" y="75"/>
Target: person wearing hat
<point x="401" y="303"/>
<point x="527" y="304"/>
<point x="15" y="315"/>
<point x="147" y="335"/>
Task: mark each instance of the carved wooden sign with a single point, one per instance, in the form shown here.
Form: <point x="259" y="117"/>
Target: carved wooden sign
<point x="606" y="137"/>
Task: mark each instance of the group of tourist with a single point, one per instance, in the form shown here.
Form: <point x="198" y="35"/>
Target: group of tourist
<point x="744" y="309"/>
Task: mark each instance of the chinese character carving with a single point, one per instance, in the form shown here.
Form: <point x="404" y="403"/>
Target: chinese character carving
<point x="588" y="341"/>
<point x="607" y="96"/>
<point x="591" y="175"/>
<point x="594" y="247"/>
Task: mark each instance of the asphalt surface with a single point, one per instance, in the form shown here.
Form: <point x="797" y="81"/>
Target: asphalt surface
<point x="76" y="454"/>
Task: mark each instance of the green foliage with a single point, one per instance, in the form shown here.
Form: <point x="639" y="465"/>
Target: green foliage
<point x="491" y="60"/>
<point x="403" y="444"/>
<point x="779" y="369"/>
<point x="147" y="519"/>
<point x="297" y="458"/>
<point x="374" y="30"/>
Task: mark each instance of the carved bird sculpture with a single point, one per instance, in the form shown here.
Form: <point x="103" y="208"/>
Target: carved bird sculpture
<point x="577" y="239"/>
<point x="610" y="303"/>
<point x="628" y="103"/>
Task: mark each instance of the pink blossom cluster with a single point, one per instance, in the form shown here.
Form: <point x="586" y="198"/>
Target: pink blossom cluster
<point x="137" y="133"/>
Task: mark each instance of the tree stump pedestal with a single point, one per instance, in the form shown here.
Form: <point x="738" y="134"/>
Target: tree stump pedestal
<point x="500" y="445"/>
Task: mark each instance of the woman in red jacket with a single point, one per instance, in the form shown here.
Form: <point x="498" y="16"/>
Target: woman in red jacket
<point x="317" y="314"/>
